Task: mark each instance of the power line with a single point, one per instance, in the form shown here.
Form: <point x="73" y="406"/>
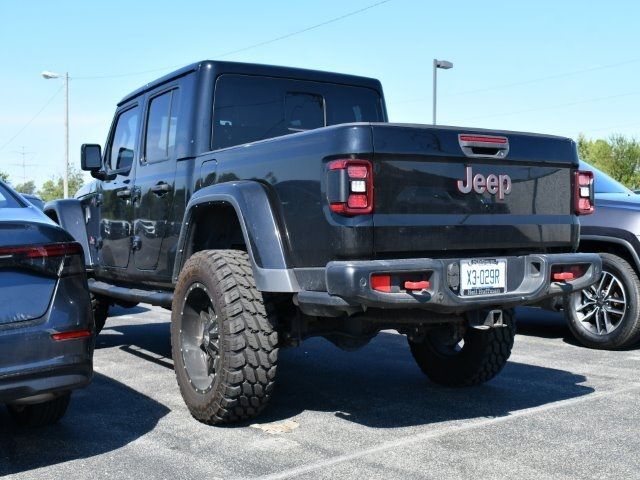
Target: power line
<point x="528" y="82"/>
<point x="550" y="107"/>
<point x="249" y="47"/>
<point x="4" y="145"/>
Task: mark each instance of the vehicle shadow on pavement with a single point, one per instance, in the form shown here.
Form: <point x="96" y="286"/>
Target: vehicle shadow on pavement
<point x="537" y="322"/>
<point x="377" y="386"/>
<point x="381" y="386"/>
<point x="117" y="311"/>
<point x="104" y="417"/>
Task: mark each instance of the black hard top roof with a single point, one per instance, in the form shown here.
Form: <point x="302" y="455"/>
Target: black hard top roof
<point x="258" y="69"/>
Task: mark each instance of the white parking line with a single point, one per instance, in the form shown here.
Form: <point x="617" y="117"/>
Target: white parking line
<point x="408" y="440"/>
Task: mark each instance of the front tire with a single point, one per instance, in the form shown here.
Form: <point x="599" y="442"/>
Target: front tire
<point x="224" y="344"/>
<point x="40" y="414"/>
<point x="454" y="357"/>
<point x="606" y="315"/>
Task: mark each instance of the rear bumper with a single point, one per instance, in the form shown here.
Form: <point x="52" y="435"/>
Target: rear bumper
<point x="36" y="386"/>
<point x="528" y="282"/>
<point x="34" y="366"/>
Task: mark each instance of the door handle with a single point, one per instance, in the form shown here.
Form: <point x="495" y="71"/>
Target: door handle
<point x="161" y="188"/>
<point x="124" y="193"/>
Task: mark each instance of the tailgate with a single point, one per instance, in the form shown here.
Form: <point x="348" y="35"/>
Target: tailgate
<point x="440" y="189"/>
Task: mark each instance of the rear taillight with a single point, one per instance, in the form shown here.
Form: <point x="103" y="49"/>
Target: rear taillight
<point x="583" y="203"/>
<point x="350" y="187"/>
<point x="54" y="259"/>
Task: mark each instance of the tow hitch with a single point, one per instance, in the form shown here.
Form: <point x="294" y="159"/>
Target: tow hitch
<point x="484" y="320"/>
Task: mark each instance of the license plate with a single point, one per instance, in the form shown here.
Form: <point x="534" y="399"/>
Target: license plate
<point x="483" y="276"/>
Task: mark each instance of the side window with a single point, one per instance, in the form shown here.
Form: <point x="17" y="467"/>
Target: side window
<point x="123" y="145"/>
<point x="162" y="122"/>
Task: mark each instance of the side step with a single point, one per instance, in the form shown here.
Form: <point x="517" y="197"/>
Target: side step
<point x="160" y="298"/>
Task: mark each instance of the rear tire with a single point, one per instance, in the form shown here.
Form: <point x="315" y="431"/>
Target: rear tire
<point x="100" y="309"/>
<point x="40" y="414"/>
<point x="618" y="330"/>
<point x="477" y="357"/>
<point x="223" y="340"/>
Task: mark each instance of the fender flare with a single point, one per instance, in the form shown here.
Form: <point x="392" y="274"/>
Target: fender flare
<point x="260" y="229"/>
<point x="70" y="216"/>
<point x="619" y="241"/>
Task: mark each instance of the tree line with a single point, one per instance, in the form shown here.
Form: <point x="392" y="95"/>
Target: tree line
<point x="618" y="156"/>
<point x="52" y="189"/>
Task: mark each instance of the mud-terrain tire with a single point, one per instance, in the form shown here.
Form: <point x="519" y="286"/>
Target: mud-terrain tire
<point x="481" y="357"/>
<point x="622" y="329"/>
<point x="40" y="414"/>
<point x="223" y="338"/>
<point x="100" y="309"/>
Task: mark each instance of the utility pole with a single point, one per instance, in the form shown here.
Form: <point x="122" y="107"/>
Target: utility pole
<point x="23" y="154"/>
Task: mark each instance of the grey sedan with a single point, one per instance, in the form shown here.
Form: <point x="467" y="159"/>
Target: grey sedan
<point x="46" y="327"/>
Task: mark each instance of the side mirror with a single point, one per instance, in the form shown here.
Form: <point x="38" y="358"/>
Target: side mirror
<point x="91" y="157"/>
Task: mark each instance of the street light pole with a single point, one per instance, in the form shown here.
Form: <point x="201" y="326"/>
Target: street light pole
<point x="435" y="89"/>
<point x="65" y="179"/>
<point x="445" y="65"/>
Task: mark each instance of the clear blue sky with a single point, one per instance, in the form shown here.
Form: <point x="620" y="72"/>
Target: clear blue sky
<point x="534" y="65"/>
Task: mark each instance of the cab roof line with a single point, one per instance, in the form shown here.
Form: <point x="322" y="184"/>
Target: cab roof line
<point x="258" y="69"/>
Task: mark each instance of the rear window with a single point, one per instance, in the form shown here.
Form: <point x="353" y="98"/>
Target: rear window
<point x="7" y="199"/>
<point x="248" y="109"/>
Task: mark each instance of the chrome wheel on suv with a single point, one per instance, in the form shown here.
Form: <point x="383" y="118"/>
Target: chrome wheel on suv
<point x="607" y="314"/>
<point x="601" y="307"/>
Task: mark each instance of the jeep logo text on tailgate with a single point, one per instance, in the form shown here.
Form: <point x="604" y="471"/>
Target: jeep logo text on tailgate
<point x="500" y="184"/>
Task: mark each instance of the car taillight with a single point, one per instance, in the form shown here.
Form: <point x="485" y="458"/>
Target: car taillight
<point x="53" y="259"/>
<point x="583" y="203"/>
<point x="350" y="187"/>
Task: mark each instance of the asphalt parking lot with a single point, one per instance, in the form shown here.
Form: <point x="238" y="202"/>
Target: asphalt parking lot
<point x="557" y="410"/>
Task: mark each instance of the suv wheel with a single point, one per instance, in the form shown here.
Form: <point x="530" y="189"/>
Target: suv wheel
<point x="606" y="315"/>
<point x="100" y="309"/>
<point x="223" y="342"/>
<point x="40" y="414"/>
<point x="455" y="357"/>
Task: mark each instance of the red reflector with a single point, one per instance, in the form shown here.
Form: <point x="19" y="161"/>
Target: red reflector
<point x="381" y="283"/>
<point x="358" y="172"/>
<point x="338" y="207"/>
<point x="482" y="139"/>
<point x="357" y="201"/>
<point x="416" y="285"/>
<point x="71" y="335"/>
<point x="563" y="276"/>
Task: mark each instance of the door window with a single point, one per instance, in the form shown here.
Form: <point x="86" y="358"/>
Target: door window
<point x="162" y="121"/>
<point x="124" y="140"/>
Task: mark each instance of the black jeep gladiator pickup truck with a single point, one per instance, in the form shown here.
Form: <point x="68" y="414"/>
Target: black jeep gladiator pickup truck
<point x="265" y="205"/>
